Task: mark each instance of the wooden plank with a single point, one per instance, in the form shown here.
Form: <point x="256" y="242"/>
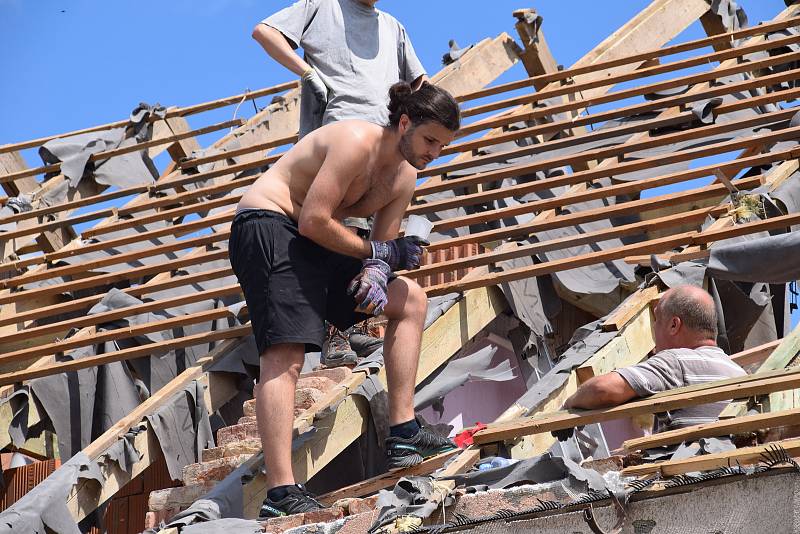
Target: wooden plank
<point x="654" y="245"/>
<point x="42" y="311"/>
<point x="726" y="427"/>
<point x="611" y="170"/>
<point x="484" y="63"/>
<point x="172" y="112"/>
<point x="638" y="58"/>
<point x="124" y="354"/>
<point x="578" y="104"/>
<point x="582" y="88"/>
<point x="739" y="387"/>
<point x="86" y="496"/>
<point x="615" y="151"/>
<point x="780" y="358"/>
<point x="116" y="334"/>
<point x="638" y="228"/>
<point x="119" y="313"/>
<point x="756" y="354"/>
<point x="707" y="462"/>
<point x="374" y="484"/>
<point x="631" y="346"/>
<point x="99" y="156"/>
<point x="630" y="308"/>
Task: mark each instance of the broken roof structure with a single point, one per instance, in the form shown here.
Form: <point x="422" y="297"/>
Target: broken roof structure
<point x="571" y="199"/>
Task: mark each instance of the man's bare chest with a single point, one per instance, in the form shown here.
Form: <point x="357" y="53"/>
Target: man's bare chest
<point x="368" y="194"/>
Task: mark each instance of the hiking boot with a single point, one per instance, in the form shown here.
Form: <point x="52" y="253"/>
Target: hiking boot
<point x="298" y="500"/>
<point x="407" y="452"/>
<point x="364" y="345"/>
<point x="338" y="351"/>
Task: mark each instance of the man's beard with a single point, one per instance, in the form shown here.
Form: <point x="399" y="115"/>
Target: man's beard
<point x="408" y="152"/>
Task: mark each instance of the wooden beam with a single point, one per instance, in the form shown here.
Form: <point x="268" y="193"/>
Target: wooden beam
<point x="646" y="58"/>
<point x="630" y="308"/>
<point x="124" y="150"/>
<point x="652" y="246"/>
<point x="738" y="425"/>
<point x="629" y="347"/>
<point x="172" y="112"/>
<point x="375" y="484"/>
<point x="479" y="66"/>
<point x="86" y="496"/>
<point x="707" y="462"/>
<point x="720" y="390"/>
<point x="780" y="358"/>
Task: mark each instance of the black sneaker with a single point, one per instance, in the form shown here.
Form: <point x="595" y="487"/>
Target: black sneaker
<point x="298" y="500"/>
<point x="407" y="452"/>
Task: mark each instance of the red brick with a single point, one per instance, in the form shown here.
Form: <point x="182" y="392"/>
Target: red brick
<point x="358" y="524"/>
<point x="246" y="446"/>
<point x="304" y="398"/>
<point x="322" y="383"/>
<point x="249" y="408"/>
<point x="150" y="520"/>
<point x="246" y="419"/>
<point x="180" y="497"/>
<point x="214" y="470"/>
<point x="337" y="374"/>
<point x="366" y="504"/>
<point x="276" y="525"/>
<point x="327" y="515"/>
<point x="234" y="433"/>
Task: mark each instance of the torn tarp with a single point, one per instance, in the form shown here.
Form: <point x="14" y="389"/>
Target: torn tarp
<point x="536" y="470"/>
<point x="13" y="206"/>
<point x="455" y="373"/>
<point x="183" y="429"/>
<point x="126" y="170"/>
<point x="411" y="496"/>
<point x="43" y="510"/>
<point x="773" y="259"/>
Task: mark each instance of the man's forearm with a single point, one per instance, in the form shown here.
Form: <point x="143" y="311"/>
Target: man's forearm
<point x="274" y="43"/>
<point x="334" y="236"/>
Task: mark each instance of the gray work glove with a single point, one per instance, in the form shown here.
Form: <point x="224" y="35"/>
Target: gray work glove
<point x="400" y="253"/>
<point x="317" y="86"/>
<point x="368" y="288"/>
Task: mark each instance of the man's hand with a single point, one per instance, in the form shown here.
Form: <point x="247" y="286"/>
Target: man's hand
<point x="317" y="86"/>
<point x="368" y="288"/>
<point x="400" y="253"/>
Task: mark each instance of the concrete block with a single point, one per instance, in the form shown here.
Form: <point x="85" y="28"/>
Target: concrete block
<point x="214" y="470"/>
<point x="234" y="433"/>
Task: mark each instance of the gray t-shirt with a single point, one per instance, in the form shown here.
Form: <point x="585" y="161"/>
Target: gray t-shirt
<point x="359" y="52"/>
<point x="675" y="368"/>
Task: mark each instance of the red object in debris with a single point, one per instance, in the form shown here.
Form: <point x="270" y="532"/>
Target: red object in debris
<point x="464" y="438"/>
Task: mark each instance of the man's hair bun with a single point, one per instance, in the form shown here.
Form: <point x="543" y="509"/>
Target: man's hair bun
<point x="398" y="93"/>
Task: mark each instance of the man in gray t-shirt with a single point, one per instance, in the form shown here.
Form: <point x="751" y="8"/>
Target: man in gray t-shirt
<point x="353" y="53"/>
<point x="685" y="332"/>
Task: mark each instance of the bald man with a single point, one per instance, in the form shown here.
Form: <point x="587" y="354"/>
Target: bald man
<point x="686" y="353"/>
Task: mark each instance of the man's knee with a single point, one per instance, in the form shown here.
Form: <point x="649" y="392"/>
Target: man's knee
<point x="282" y="359"/>
<point x="416" y="301"/>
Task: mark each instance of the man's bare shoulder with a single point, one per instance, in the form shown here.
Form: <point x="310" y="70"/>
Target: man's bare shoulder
<point x="351" y="134"/>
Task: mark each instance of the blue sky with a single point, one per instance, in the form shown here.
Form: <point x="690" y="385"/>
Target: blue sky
<point x="70" y="64"/>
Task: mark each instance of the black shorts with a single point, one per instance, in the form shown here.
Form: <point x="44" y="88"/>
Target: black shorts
<point x="291" y="284"/>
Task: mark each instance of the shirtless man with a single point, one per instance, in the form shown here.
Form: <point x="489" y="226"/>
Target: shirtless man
<point x="299" y="266"/>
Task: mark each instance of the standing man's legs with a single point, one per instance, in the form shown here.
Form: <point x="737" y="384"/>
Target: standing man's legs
<point x="280" y="368"/>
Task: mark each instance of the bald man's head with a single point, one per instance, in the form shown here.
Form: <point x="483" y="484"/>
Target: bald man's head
<point x="685" y="317"/>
